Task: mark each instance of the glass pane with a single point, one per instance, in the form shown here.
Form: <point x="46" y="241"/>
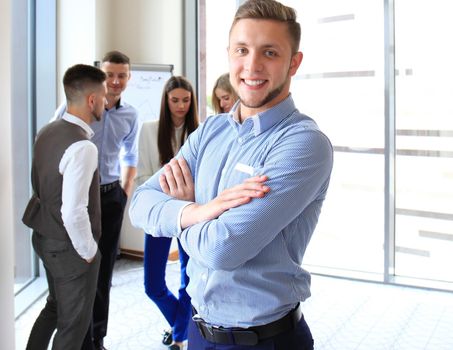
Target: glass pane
<point x="424" y="140"/>
<point x="219" y="16"/>
<point x="340" y="85"/>
<point x="22" y="134"/>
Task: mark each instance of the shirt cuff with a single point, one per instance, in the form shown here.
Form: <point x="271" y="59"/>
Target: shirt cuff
<point x="178" y="222"/>
<point x="91" y="250"/>
<point x="169" y="220"/>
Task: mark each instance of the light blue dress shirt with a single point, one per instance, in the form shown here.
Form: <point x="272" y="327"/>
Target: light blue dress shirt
<point x="245" y="266"/>
<point x="115" y="137"/>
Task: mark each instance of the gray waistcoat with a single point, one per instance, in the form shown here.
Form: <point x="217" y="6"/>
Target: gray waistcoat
<point x="43" y="212"/>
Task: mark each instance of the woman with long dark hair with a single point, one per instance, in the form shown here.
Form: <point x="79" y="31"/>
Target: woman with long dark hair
<point x="159" y="141"/>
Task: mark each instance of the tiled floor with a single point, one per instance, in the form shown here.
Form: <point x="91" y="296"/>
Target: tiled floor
<point x="342" y="314"/>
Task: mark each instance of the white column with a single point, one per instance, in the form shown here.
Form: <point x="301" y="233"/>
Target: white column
<point x="6" y="197"/>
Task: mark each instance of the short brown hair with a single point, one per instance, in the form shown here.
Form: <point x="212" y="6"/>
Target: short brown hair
<point x="81" y="79"/>
<point x="116" y="57"/>
<point x="271" y="9"/>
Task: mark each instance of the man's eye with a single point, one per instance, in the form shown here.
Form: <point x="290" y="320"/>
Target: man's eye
<point x="270" y="53"/>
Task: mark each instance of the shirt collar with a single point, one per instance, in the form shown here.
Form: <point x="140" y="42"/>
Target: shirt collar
<point x="266" y="119"/>
<point x="118" y="105"/>
<point x="76" y="120"/>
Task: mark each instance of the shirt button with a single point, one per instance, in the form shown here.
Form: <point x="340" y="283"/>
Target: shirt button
<point x="240" y="140"/>
<point x="203" y="308"/>
<point x="204" y="277"/>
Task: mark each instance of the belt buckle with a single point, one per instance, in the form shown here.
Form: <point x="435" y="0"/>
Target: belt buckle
<point x="202" y="325"/>
<point x="210" y="328"/>
<point x="107" y="187"/>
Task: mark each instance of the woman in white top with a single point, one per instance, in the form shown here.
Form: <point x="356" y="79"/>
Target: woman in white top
<point x="159" y="141"/>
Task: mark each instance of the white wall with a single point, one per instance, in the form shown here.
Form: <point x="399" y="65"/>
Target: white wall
<point x="6" y="198"/>
<point x="76" y="37"/>
<point x="148" y="31"/>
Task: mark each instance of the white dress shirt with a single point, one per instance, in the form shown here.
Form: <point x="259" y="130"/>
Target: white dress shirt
<point x="78" y="164"/>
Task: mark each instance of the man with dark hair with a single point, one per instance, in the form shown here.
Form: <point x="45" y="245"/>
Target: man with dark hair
<point x="260" y="176"/>
<point x="114" y="134"/>
<point x="65" y="214"/>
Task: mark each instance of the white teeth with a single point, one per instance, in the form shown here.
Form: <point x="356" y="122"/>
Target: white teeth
<point x="253" y="82"/>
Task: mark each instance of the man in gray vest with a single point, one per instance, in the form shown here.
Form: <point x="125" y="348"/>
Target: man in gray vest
<point x="64" y="212"/>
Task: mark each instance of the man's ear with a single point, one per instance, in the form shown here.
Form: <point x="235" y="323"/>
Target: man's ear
<point x="296" y="60"/>
<point x="91" y="99"/>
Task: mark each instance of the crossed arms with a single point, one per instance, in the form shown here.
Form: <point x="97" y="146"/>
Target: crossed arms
<point x="176" y="181"/>
<point x="230" y="228"/>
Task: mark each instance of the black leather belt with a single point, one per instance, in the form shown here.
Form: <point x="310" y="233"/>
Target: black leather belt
<point x="108" y="187"/>
<point x="247" y="336"/>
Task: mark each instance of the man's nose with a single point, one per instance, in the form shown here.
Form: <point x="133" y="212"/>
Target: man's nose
<point x="253" y="62"/>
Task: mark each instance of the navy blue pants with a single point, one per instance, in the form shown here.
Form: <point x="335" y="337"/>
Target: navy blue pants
<point x="299" y="338"/>
<point x="177" y="311"/>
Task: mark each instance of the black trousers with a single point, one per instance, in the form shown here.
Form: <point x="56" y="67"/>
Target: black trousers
<point x="72" y="286"/>
<point x="113" y="203"/>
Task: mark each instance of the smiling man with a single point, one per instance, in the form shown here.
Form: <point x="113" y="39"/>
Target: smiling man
<point x="259" y="178"/>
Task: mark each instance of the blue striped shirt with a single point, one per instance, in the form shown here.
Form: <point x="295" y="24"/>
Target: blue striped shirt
<point x="245" y="266"/>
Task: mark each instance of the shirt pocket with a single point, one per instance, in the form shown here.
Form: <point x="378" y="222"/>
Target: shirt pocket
<point x="242" y="171"/>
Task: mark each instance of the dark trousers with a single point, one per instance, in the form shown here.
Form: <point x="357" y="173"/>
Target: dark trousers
<point x="299" y="338"/>
<point x="113" y="203"/>
<point x="176" y="311"/>
<point x="72" y="286"/>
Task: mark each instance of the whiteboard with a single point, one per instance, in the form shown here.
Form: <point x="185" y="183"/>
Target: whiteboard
<point x="145" y="87"/>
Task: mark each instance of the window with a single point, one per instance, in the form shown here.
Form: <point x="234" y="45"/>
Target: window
<point x="424" y="141"/>
<point x="33" y="105"/>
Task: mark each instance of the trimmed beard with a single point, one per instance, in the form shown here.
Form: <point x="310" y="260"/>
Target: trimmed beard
<point x="270" y="96"/>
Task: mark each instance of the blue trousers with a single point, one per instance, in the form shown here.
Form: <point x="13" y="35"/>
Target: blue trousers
<point x="299" y="338"/>
<point x="176" y="310"/>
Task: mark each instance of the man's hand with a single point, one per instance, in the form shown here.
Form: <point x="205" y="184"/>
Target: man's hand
<point x="230" y="198"/>
<point x="177" y="181"/>
<point x="128" y="175"/>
